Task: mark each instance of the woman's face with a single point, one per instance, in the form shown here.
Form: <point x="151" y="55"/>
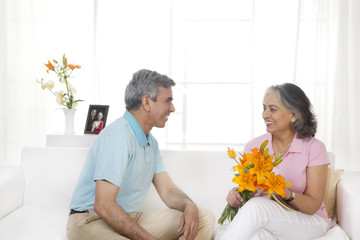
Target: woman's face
<point x="277" y="118"/>
<point x="99" y="116"/>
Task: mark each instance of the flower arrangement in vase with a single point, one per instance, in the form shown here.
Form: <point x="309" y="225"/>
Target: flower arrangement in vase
<point x="63" y="71"/>
<point x="64" y="97"/>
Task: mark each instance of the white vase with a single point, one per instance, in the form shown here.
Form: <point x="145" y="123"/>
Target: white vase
<point x="69" y="121"/>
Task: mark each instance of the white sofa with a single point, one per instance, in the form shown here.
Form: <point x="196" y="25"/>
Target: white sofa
<point x="34" y="197"/>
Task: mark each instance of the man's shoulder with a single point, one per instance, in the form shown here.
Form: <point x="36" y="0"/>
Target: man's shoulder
<point x="117" y="130"/>
<point x="120" y="124"/>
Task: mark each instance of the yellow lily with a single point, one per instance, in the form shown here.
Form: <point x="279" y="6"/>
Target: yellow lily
<point x="231" y="153"/>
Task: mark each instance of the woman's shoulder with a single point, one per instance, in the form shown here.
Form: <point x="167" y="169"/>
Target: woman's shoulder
<point x="313" y="142"/>
<point x="314" y="149"/>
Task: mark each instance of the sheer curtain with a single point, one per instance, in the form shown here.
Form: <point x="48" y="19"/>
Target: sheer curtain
<point x="202" y="45"/>
<point x="328" y="52"/>
<point x="346" y="112"/>
<point x="33" y="32"/>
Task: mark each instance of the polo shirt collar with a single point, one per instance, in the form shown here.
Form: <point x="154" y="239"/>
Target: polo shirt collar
<point x="139" y="133"/>
<point x="297" y="144"/>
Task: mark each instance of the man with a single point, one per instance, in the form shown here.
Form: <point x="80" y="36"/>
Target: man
<point x="91" y="119"/>
<point x="119" y="169"/>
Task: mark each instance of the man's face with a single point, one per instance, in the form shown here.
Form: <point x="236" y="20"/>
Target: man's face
<point x="93" y="113"/>
<point x="161" y="109"/>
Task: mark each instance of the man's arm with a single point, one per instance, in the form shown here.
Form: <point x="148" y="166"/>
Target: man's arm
<point x="174" y="198"/>
<point x="105" y="205"/>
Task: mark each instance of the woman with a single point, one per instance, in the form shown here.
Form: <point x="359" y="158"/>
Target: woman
<point x="97" y="124"/>
<point x="291" y="128"/>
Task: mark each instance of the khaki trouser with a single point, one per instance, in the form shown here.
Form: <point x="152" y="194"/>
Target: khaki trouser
<point x="161" y="224"/>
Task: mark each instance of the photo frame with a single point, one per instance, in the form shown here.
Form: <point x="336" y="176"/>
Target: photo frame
<point x="96" y="119"/>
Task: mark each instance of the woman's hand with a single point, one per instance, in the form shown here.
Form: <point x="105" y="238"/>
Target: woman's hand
<point x="234" y="198"/>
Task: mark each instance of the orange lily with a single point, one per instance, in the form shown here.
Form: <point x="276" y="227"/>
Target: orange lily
<point x="49" y="66"/>
<point x="276" y="183"/>
<point x="239" y="167"/>
<point x="245" y="181"/>
<point x="244" y="159"/>
<point x="261" y="169"/>
<point x="72" y="66"/>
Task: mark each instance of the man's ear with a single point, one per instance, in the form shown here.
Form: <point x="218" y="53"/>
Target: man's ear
<point x="145" y="103"/>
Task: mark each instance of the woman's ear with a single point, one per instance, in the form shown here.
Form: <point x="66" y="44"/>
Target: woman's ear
<point x="293" y="118"/>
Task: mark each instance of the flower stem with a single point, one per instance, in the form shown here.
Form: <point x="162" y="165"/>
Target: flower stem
<point x="229" y="213"/>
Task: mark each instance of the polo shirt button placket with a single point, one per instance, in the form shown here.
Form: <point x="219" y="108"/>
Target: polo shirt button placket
<point x="146" y="154"/>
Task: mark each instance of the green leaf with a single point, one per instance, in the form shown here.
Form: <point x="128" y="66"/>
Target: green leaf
<point x="229" y="213"/>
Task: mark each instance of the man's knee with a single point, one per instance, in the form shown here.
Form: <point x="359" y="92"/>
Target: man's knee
<point x="206" y="222"/>
<point x="206" y="215"/>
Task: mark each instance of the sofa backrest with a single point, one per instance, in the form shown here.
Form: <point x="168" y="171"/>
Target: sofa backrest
<point x="205" y="176"/>
<point x="51" y="175"/>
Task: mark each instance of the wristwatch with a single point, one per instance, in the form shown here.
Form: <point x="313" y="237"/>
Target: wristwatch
<point x="292" y="196"/>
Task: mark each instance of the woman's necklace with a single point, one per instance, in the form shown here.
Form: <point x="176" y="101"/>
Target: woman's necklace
<point x="282" y="152"/>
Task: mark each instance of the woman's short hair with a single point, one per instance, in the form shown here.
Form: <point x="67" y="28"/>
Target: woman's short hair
<point x="145" y="82"/>
<point x="296" y="101"/>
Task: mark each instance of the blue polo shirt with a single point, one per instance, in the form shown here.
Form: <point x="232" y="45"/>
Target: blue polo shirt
<point x="124" y="156"/>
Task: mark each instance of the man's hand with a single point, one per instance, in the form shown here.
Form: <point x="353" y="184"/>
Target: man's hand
<point x="189" y="220"/>
<point x="174" y="198"/>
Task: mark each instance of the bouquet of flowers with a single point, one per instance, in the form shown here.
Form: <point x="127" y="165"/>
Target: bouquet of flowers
<point x="63" y="72"/>
<point x="255" y="172"/>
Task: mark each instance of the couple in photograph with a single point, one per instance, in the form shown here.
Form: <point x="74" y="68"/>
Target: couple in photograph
<point x="95" y="121"/>
<point x="117" y="174"/>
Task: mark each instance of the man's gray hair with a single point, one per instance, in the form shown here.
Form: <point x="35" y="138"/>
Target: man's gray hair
<point x="145" y="82"/>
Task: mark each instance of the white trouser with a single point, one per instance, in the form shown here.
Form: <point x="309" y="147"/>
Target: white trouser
<point x="262" y="218"/>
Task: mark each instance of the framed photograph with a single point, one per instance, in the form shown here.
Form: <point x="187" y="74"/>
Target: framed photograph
<point x="96" y="119"/>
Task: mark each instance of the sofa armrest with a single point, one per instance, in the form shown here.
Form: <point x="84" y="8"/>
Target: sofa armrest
<point x="347" y="203"/>
<point x="11" y="189"/>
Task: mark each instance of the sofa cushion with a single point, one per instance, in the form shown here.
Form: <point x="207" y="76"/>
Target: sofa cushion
<point x="34" y="223"/>
<point x="330" y="193"/>
<point x="336" y="233"/>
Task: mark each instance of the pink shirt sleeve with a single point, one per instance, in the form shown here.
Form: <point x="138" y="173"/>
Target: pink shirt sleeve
<point x="317" y="153"/>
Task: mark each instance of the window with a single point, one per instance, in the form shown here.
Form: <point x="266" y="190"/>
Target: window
<point x="224" y="55"/>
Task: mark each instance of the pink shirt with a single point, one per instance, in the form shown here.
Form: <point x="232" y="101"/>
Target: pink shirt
<point x="302" y="153"/>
